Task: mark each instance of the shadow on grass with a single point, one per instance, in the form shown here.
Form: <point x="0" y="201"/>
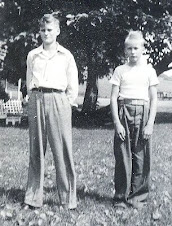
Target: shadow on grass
<point x="100" y="198"/>
<point x="82" y="195"/>
<point x="17" y="196"/>
<point x="23" y="125"/>
<point x="101" y="118"/>
<point x="13" y="194"/>
<point x="163" y="117"/>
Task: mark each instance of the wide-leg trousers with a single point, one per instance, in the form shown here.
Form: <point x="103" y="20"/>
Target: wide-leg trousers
<point x="133" y="155"/>
<point x="50" y="119"/>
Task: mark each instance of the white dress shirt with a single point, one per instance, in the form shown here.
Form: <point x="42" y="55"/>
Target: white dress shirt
<point x="58" y="71"/>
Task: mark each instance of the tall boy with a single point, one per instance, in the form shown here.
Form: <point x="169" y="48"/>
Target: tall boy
<point x="52" y="84"/>
<point x="133" y="106"/>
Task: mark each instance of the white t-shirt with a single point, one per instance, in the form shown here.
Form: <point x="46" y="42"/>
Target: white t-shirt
<point x="134" y="81"/>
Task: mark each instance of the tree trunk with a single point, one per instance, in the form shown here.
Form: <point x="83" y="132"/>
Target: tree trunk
<point x="91" y="94"/>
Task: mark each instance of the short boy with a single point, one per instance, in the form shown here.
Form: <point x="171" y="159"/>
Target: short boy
<point x="133" y="106"/>
<point x="52" y="84"/>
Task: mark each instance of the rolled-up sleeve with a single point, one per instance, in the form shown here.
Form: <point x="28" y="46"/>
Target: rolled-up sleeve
<point x="72" y="76"/>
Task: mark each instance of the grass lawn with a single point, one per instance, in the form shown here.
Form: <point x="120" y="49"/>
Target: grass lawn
<point x="94" y="161"/>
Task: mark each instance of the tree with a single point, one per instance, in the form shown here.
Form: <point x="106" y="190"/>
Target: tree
<point x="15" y="60"/>
<point x="93" y="30"/>
<point x="94" y="36"/>
<point x="102" y="32"/>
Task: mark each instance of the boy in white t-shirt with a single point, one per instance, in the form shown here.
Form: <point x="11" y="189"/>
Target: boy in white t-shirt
<point x="133" y="106"/>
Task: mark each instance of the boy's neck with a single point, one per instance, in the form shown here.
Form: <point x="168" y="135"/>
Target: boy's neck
<point x="137" y="63"/>
<point x="50" y="47"/>
<point x="132" y="64"/>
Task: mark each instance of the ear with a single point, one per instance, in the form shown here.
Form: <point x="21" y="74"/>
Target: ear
<point x="58" y="31"/>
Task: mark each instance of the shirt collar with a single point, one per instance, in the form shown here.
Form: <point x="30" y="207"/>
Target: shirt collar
<point x="59" y="48"/>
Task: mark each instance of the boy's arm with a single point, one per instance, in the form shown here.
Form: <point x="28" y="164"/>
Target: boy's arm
<point x="148" y="130"/>
<point x="119" y="129"/>
<point x="28" y="74"/>
<point x="72" y="74"/>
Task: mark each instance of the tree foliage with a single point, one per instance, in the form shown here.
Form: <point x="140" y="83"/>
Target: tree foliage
<point x="93" y="30"/>
<point x="3" y="95"/>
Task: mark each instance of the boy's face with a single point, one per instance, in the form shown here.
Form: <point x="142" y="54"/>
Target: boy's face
<point x="134" y="50"/>
<point x="49" y="32"/>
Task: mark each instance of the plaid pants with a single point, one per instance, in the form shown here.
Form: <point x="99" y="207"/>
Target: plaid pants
<point x="50" y="118"/>
<point x="132" y="156"/>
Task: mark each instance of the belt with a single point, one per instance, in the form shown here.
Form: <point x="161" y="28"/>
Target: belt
<point x="47" y="90"/>
<point x="133" y="101"/>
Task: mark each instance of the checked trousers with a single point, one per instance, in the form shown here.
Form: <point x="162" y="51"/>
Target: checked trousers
<point x="132" y="156"/>
<point x="50" y="119"/>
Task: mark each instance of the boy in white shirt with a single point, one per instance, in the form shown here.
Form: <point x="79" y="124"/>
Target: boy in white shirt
<point x="133" y="106"/>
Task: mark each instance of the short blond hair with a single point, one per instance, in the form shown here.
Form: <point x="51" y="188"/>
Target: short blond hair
<point x="134" y="35"/>
<point x="49" y="18"/>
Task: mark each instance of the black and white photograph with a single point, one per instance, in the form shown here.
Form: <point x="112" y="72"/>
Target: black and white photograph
<point x="85" y="113"/>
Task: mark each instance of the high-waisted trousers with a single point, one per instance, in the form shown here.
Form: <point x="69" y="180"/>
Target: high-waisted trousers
<point x="50" y="119"/>
<point x="133" y="155"/>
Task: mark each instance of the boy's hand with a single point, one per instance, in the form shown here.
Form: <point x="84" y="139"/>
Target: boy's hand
<point x="147" y="131"/>
<point x="119" y="129"/>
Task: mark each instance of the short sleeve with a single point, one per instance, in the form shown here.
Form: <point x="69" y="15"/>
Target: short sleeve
<point x="116" y="77"/>
<point x="153" y="79"/>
